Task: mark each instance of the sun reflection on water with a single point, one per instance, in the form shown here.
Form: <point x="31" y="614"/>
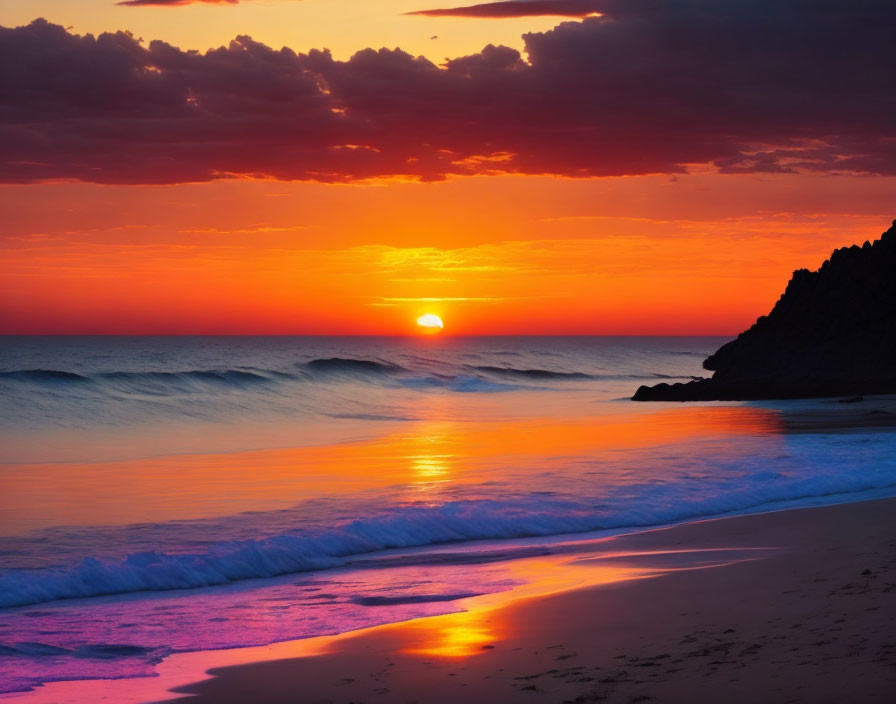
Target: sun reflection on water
<point x="431" y="463"/>
<point x="430" y="467"/>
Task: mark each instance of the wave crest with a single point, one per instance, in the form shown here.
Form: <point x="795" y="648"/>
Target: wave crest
<point x="289" y="553"/>
<point x="43" y="376"/>
<point x="531" y="373"/>
<point x="355" y="366"/>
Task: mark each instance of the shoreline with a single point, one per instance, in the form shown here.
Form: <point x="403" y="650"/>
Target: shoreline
<point x="801" y="623"/>
<point x="639" y="591"/>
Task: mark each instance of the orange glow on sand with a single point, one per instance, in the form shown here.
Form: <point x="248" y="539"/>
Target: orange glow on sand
<point x="458" y="635"/>
<point x="489" y="619"/>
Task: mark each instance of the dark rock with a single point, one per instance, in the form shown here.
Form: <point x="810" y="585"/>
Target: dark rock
<point x="832" y="333"/>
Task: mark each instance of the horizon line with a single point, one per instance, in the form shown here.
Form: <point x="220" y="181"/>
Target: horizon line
<point x="407" y="335"/>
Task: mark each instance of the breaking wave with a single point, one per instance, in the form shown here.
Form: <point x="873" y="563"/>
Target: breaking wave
<point x="401" y="526"/>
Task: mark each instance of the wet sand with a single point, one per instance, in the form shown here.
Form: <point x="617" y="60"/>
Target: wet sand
<point x="808" y="617"/>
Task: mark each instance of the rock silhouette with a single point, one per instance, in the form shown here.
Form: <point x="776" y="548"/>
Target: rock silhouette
<point x="832" y="332"/>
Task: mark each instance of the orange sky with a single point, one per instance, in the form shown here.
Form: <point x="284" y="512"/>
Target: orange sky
<point x="703" y="253"/>
<point x="301" y="24"/>
<point x="500" y="255"/>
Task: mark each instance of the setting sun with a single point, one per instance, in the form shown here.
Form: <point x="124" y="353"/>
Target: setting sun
<point x="430" y="322"/>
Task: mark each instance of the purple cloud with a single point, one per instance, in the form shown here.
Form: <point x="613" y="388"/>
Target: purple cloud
<point x="745" y="85"/>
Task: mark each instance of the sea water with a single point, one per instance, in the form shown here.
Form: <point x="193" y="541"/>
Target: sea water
<point x="172" y="494"/>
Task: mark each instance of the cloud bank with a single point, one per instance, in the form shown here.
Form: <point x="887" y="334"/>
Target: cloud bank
<point x="649" y="87"/>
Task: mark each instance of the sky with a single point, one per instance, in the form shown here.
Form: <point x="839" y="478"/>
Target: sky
<point x="516" y="167"/>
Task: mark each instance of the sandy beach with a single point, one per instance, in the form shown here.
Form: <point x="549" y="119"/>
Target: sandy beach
<point x="809" y="618"/>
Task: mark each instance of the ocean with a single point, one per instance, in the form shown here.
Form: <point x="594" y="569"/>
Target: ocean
<point x="165" y="494"/>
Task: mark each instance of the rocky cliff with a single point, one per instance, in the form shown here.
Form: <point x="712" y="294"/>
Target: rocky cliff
<point x="833" y="332"/>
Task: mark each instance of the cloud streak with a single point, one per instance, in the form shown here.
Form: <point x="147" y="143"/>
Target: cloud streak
<point x="173" y="3"/>
<point x="505" y="9"/>
<point x="745" y="86"/>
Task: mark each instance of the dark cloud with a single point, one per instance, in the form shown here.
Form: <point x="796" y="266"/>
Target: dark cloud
<point x="650" y="87"/>
<point x="519" y="8"/>
<point x="173" y="3"/>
